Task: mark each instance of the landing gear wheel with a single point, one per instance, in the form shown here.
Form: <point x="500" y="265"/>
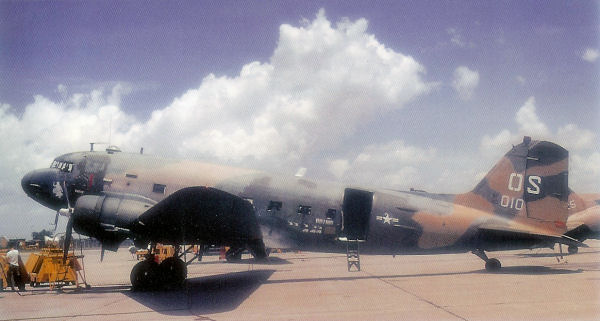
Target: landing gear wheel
<point x="492" y="265"/>
<point x="234" y="254"/>
<point x="258" y="250"/>
<point x="143" y="275"/>
<point x="573" y="249"/>
<point x="173" y="273"/>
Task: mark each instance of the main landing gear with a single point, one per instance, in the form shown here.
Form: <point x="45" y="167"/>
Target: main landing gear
<point x="149" y="275"/>
<point x="491" y="265"/>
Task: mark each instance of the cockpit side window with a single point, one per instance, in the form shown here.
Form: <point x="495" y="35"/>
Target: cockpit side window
<point x="66" y="167"/>
<point x="93" y="173"/>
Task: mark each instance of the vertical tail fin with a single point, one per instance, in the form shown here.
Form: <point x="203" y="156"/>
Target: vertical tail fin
<point x="530" y="181"/>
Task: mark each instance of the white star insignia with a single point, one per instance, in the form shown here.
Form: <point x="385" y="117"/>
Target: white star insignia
<point x="387" y="219"/>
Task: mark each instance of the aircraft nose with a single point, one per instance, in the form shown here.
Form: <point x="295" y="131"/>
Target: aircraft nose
<point x="36" y="181"/>
<point x="30" y="183"/>
<point x="25" y="182"/>
<point x="41" y="185"/>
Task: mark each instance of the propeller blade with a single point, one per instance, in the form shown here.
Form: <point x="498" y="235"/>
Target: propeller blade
<point x="55" y="221"/>
<point x="68" y="236"/>
<point x="66" y="192"/>
<point x="102" y="253"/>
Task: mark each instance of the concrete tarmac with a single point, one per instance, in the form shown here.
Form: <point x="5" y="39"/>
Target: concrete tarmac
<point x="532" y="285"/>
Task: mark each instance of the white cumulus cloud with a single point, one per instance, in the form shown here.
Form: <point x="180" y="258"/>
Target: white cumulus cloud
<point x="529" y="122"/>
<point x="465" y="81"/>
<point x="321" y="82"/>
<point x="393" y="164"/>
<point x="590" y="55"/>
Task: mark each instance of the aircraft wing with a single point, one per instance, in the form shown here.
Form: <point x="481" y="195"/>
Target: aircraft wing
<point x="493" y="237"/>
<point x="196" y="215"/>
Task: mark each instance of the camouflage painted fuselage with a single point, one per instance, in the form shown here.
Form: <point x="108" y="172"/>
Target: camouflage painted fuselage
<point x="521" y="203"/>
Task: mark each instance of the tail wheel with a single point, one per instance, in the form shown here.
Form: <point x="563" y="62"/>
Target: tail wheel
<point x="492" y="265"/>
<point x="173" y="272"/>
<point x="143" y="275"/>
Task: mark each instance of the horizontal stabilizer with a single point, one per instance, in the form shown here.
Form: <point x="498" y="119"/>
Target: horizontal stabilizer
<point x="496" y="238"/>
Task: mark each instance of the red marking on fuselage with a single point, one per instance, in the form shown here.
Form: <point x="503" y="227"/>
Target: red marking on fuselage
<point x="91" y="181"/>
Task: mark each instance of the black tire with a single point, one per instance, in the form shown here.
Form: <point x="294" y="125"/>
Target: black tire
<point x="258" y="250"/>
<point x="493" y="265"/>
<point x="143" y="276"/>
<point x="173" y="273"/>
<point x="572" y="249"/>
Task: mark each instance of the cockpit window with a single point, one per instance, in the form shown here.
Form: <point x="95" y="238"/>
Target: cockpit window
<point x="63" y="166"/>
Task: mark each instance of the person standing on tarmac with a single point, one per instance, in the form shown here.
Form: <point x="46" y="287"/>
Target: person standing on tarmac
<point x="14" y="272"/>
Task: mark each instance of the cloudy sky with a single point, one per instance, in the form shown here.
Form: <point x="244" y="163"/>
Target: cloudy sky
<point x="423" y="94"/>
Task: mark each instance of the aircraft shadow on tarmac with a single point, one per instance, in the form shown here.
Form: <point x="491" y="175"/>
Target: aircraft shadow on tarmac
<point x="550" y="254"/>
<point x="209" y="294"/>
<point x="272" y="260"/>
<point x="531" y="270"/>
<point x="525" y="270"/>
<point x="225" y="292"/>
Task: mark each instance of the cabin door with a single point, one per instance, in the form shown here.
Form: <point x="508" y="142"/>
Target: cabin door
<point x="356" y="212"/>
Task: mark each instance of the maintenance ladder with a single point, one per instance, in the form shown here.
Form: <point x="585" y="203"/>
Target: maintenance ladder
<point x="353" y="254"/>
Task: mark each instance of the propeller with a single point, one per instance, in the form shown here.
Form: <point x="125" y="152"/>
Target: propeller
<point x="63" y="211"/>
<point x="67" y="212"/>
<point x="56" y="221"/>
<point x="68" y="237"/>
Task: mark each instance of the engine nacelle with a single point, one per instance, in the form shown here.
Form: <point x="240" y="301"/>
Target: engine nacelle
<point x="107" y="217"/>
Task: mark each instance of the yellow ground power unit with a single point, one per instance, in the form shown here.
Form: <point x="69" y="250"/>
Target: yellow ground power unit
<point x="48" y="268"/>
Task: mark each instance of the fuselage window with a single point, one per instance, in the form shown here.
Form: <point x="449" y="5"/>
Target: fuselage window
<point x="131" y="175"/>
<point x="274" y="206"/>
<point x="159" y="188"/>
<point x="303" y="209"/>
<point x="330" y="214"/>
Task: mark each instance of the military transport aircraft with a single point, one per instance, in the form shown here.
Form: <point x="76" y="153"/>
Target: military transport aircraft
<point x="522" y="203"/>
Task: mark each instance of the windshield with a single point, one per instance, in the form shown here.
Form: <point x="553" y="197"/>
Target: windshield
<point x="63" y="166"/>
